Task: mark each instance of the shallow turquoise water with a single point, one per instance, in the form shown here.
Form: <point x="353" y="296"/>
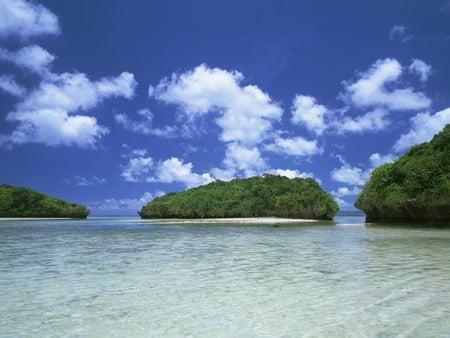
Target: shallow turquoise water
<point x="123" y="277"/>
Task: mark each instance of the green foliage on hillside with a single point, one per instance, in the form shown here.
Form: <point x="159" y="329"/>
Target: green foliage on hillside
<point x="268" y="195"/>
<point x="415" y="187"/>
<point x="24" y="202"/>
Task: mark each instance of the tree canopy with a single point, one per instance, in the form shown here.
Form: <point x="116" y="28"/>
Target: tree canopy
<point x="415" y="187"/>
<point x="258" y="196"/>
<point x="24" y="202"/>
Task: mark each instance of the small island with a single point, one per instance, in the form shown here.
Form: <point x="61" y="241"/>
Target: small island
<point x="259" y="196"/>
<point x="19" y="202"/>
<point x="413" y="189"/>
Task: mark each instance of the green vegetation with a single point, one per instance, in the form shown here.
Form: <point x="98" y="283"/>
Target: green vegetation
<point x="24" y="202"/>
<point x="268" y="195"/>
<point x="414" y="188"/>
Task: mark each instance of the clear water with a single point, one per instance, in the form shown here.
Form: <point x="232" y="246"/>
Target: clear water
<point x="119" y="277"/>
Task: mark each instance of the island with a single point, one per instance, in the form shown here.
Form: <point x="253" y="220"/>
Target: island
<point x="20" y="202"/>
<point x="413" y="189"/>
<point x="259" y="196"/>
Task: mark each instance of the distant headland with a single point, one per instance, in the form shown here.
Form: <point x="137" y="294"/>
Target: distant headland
<point x="413" y="189"/>
<point x="259" y="196"/>
<point x="19" y="202"/>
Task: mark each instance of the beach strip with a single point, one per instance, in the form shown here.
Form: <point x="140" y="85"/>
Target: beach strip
<point x="235" y="220"/>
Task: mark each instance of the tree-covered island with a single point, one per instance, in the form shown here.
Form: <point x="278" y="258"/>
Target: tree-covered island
<point x="413" y="189"/>
<point x="260" y="196"/>
<point x="27" y="203"/>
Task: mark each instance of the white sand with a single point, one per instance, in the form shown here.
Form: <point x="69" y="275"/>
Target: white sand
<point x="34" y="218"/>
<point x="240" y="220"/>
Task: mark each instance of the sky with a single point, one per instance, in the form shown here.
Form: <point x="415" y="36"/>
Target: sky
<point x="113" y="103"/>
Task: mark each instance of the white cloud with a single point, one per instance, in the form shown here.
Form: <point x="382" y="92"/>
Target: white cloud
<point x="424" y="127"/>
<point x="345" y="191"/>
<point x="399" y="33"/>
<point x="244" y="158"/>
<point x="350" y="175"/>
<point x="120" y="86"/>
<point x="295" y="146"/>
<point x="46" y="114"/>
<point x="376" y="159"/>
<point x="86" y="181"/>
<point x="33" y="58"/>
<point x="372" y="121"/>
<point x="420" y="68"/>
<point x="293" y="173"/>
<point x="9" y="85"/>
<point x="223" y="174"/>
<point x="307" y="112"/>
<point x="55" y="127"/>
<point x="123" y="205"/>
<point x="371" y="89"/>
<point x="137" y="169"/>
<point x="174" y="170"/>
<point x="343" y="204"/>
<point x="144" y="126"/>
<point x="74" y="91"/>
<point x="26" y="19"/>
<point x="245" y="113"/>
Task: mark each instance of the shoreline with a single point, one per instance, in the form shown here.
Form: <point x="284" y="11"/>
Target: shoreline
<point x="238" y="220"/>
<point x="37" y="218"/>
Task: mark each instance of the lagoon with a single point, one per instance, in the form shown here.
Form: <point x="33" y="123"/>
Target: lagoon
<point x="120" y="276"/>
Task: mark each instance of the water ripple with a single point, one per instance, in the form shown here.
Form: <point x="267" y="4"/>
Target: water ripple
<point x="117" y="277"/>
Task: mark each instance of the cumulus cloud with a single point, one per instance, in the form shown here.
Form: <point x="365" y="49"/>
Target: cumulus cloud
<point x="55" y="127"/>
<point x="26" y="19"/>
<point x="245" y="113"/>
<point x="421" y="69"/>
<point x="373" y="121"/>
<point x="244" y="158"/>
<point x="33" y="58"/>
<point x="48" y="114"/>
<point x="343" y="204"/>
<point x="307" y="112"/>
<point x="122" y="205"/>
<point x="75" y="91"/>
<point x="345" y="191"/>
<point x="376" y="88"/>
<point x="350" y="175"/>
<point x="137" y="169"/>
<point x="144" y="125"/>
<point x="376" y="159"/>
<point x="9" y="85"/>
<point x="295" y="146"/>
<point x="294" y="173"/>
<point x="399" y="33"/>
<point x="173" y="170"/>
<point x="423" y="127"/>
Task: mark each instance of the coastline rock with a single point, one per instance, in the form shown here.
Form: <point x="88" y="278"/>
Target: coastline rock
<point x="413" y="189"/>
<point x="26" y="203"/>
<point x="260" y="196"/>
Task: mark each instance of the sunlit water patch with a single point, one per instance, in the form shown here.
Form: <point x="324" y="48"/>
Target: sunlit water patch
<point x="120" y="277"/>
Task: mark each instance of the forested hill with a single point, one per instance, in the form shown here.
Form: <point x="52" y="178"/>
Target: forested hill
<point x="259" y="196"/>
<point x="24" y="202"/>
<point x="416" y="188"/>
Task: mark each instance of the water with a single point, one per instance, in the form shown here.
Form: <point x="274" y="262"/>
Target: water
<point x="120" y="277"/>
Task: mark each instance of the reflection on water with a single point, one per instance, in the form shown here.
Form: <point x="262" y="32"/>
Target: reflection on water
<point x="121" y="277"/>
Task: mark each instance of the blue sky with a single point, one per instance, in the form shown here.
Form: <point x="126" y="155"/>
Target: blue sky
<point x="111" y="103"/>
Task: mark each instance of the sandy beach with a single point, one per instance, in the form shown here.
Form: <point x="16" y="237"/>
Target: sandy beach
<point x="35" y="218"/>
<point x="240" y="220"/>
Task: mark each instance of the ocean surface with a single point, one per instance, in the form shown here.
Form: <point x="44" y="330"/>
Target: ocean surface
<point x="120" y="277"/>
